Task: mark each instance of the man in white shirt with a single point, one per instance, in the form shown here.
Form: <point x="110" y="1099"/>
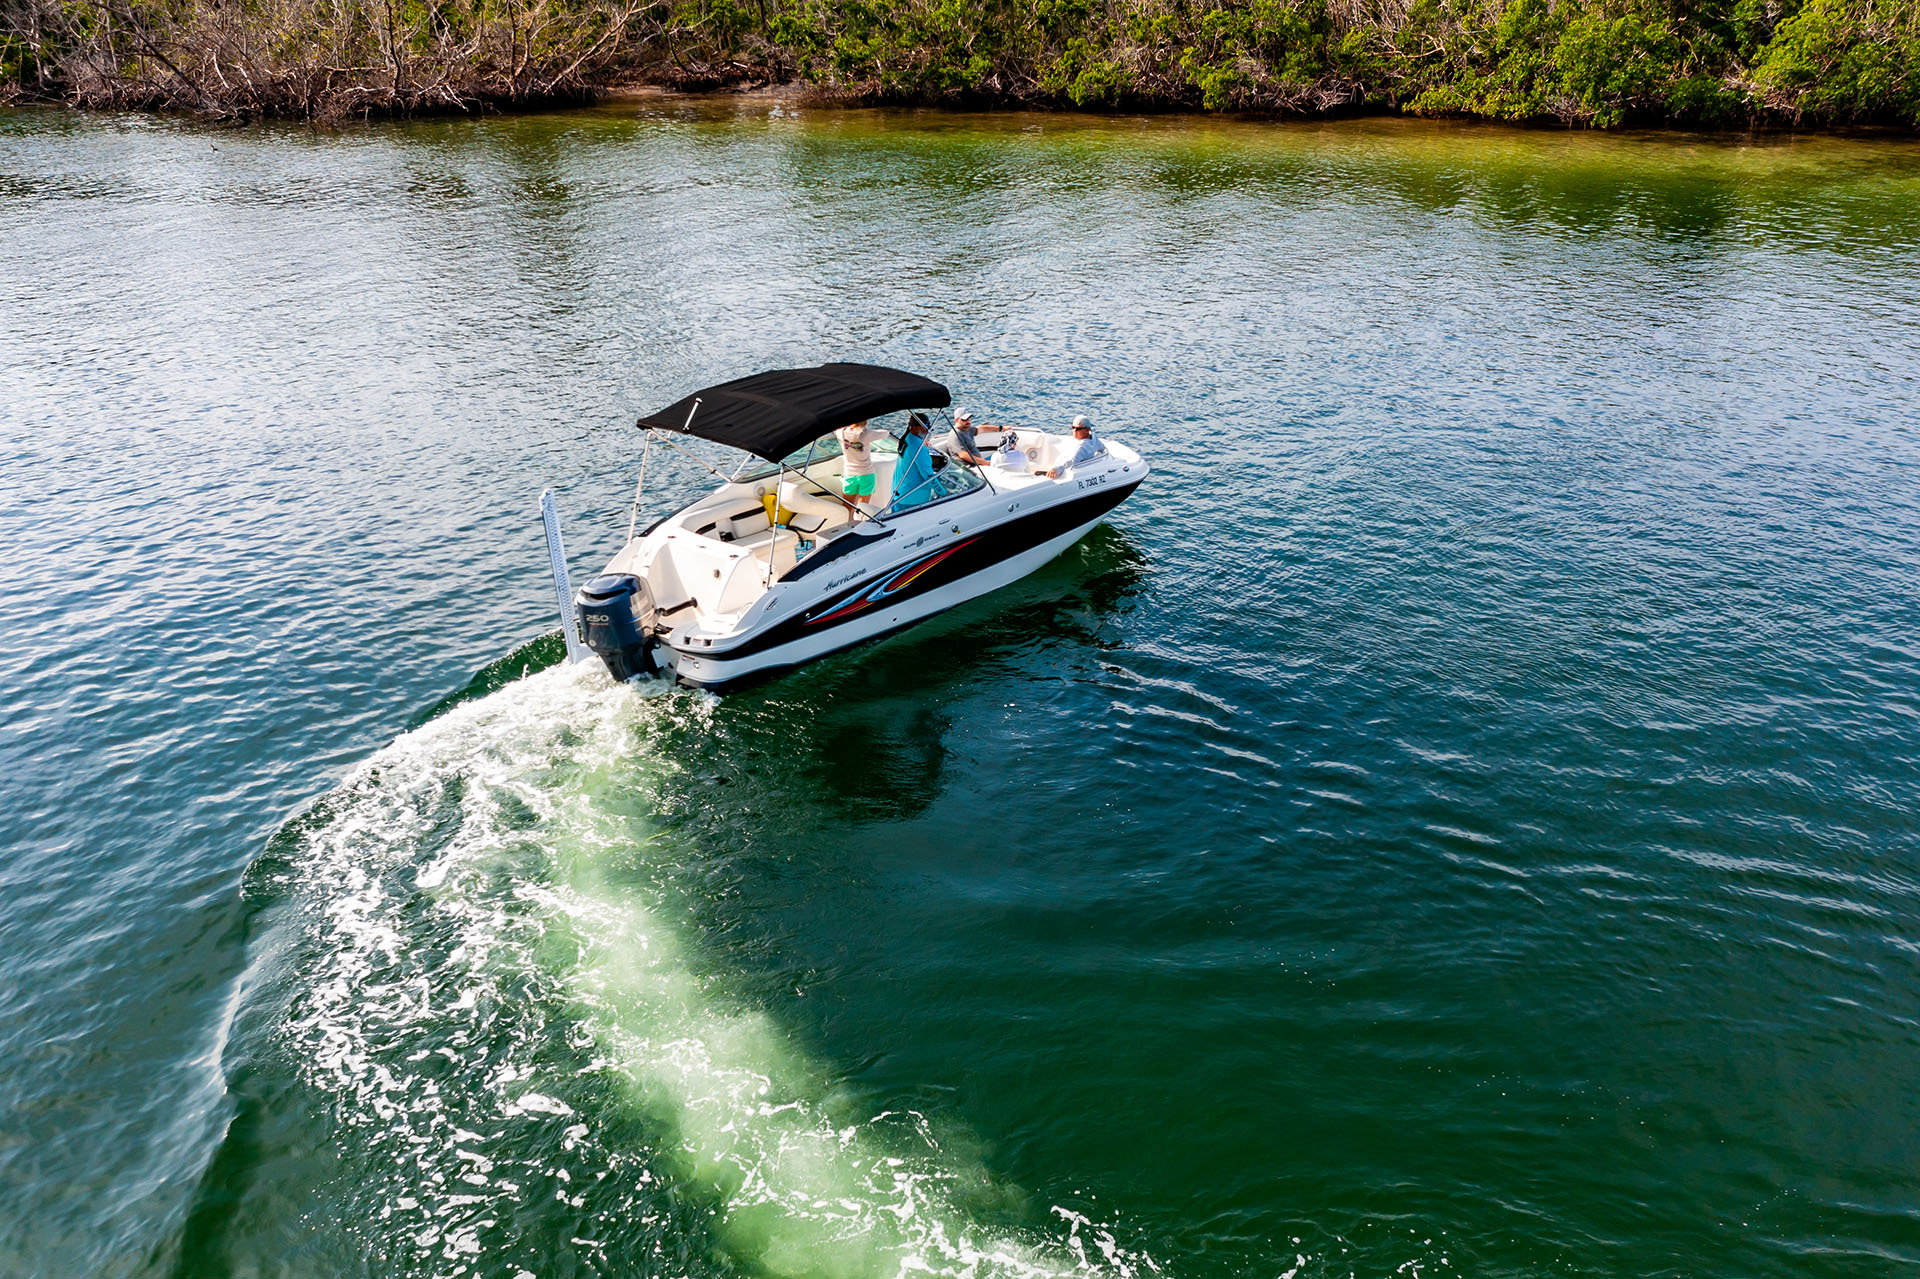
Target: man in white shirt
<point x="1090" y="447"/>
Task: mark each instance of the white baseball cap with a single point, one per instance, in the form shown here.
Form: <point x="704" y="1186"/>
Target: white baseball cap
<point x="1083" y="420"/>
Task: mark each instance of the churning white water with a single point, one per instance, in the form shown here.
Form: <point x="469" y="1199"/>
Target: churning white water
<point x="480" y="930"/>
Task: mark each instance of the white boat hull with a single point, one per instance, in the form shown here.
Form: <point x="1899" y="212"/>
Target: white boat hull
<point x="717" y="671"/>
<point x="719" y="594"/>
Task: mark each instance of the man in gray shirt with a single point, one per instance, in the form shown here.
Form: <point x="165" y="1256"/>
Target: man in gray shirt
<point x="966" y="437"/>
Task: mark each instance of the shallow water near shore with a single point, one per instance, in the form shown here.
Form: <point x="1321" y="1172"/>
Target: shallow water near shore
<point x="1458" y="818"/>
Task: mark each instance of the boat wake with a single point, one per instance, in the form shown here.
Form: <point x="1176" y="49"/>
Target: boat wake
<point x="474" y="986"/>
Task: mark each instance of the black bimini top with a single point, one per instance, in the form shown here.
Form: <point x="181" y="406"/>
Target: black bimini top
<point x="771" y="414"/>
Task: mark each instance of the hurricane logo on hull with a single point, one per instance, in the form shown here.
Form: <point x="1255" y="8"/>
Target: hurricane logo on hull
<point x="890" y="585"/>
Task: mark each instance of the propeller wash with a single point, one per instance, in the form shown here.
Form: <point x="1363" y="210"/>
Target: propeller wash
<point x="468" y="962"/>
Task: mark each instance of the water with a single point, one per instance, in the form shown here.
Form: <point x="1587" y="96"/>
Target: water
<point x="1457" y="819"/>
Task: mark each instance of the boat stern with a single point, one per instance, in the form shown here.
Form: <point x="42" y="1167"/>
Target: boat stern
<point x="617" y="619"/>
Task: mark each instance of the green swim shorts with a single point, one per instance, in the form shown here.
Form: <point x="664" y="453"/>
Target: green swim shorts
<point x="857" y="485"/>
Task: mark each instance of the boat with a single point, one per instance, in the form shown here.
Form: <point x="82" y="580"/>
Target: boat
<point x="774" y="568"/>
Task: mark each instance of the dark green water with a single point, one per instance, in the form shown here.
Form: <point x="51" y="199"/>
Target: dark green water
<point x="1458" y="819"/>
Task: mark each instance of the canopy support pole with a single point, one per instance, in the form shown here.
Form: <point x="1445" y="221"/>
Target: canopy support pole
<point x="697" y="460"/>
<point x="633" y="521"/>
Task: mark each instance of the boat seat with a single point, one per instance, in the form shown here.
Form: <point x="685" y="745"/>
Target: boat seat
<point x="808" y="499"/>
<point x="741" y="527"/>
<point x="771" y="545"/>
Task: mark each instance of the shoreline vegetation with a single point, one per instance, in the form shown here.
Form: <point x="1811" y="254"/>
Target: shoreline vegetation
<point x="1589" y="63"/>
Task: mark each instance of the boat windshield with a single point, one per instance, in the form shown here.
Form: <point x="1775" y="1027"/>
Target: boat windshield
<point x="821" y="450"/>
<point x="949" y="481"/>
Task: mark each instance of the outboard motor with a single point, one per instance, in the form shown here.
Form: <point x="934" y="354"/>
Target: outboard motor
<point x="617" y="615"/>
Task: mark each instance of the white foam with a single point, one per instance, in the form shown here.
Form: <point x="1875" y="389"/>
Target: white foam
<point x="458" y="914"/>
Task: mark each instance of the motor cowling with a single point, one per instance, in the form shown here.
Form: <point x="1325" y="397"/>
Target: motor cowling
<point x="617" y="616"/>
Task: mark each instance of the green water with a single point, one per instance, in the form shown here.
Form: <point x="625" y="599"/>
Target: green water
<point x="1457" y="819"/>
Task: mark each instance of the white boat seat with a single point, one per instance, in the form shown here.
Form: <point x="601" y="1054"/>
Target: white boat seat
<point x="769" y="544"/>
<point x="808" y="499"/>
<point x="754" y="560"/>
<point x="741" y="527"/>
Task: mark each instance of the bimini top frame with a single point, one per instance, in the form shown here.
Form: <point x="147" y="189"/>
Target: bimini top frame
<point x="771" y="414"/>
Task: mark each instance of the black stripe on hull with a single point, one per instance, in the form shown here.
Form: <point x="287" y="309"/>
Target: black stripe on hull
<point x="762" y="674"/>
<point x="972" y="555"/>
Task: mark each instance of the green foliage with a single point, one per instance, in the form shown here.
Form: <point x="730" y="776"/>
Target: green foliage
<point x="1508" y="71"/>
<point x="1238" y="55"/>
<point x="1751" y="24"/>
<point x="1839" y="61"/>
<point x="1595" y="63"/>
<point x="1081" y="77"/>
<point x="1613" y="67"/>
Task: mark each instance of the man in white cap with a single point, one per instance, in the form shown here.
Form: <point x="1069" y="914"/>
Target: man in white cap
<point x="966" y="438"/>
<point x="1090" y="447"/>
